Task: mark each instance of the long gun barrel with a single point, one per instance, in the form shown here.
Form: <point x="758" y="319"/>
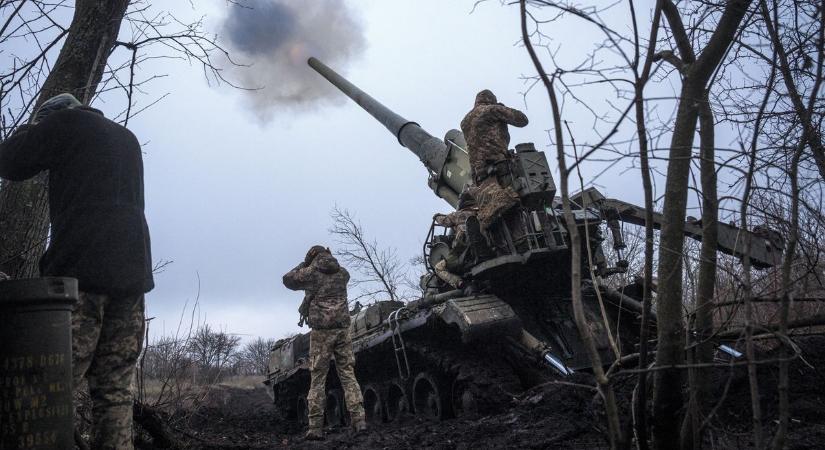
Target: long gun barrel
<point x="447" y="162"/>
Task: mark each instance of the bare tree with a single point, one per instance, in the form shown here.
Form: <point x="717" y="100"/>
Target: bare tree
<point x="212" y="351"/>
<point x="380" y="273"/>
<point x="700" y="47"/>
<point x="783" y="117"/>
<point x="163" y="356"/>
<point x="254" y="356"/>
<point x="88" y="65"/>
<point x="697" y="68"/>
<point x="604" y="386"/>
<point x="78" y="69"/>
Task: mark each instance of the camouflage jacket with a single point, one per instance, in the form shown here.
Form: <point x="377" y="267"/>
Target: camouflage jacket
<point x="485" y="129"/>
<point x="325" y="284"/>
<point x="456" y="219"/>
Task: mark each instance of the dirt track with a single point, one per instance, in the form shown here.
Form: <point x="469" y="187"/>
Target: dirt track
<point x="550" y="416"/>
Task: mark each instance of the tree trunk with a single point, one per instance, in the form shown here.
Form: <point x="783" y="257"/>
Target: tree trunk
<point x="24" y="209"/>
<point x="787" y="296"/>
<point x="707" y="264"/>
<point x="605" y="388"/>
<point x="667" y="400"/>
<point x="710" y="218"/>
<point x="640" y="406"/>
<point x="702" y="347"/>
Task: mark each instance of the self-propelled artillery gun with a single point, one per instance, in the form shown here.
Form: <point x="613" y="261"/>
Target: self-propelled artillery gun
<point x="460" y="351"/>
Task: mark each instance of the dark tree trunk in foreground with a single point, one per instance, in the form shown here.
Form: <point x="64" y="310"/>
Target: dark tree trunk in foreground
<point x="696" y="73"/>
<point x="24" y="212"/>
<point x="701" y="347"/>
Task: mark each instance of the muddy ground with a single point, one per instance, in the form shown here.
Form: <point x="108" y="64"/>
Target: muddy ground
<point x="557" y="415"/>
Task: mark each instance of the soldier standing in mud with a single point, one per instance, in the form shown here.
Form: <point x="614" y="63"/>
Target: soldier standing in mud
<point x="485" y="129"/>
<point x="99" y="236"/>
<point x="325" y="309"/>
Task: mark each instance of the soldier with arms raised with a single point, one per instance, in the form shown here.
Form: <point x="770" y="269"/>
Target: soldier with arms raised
<point x="324" y="307"/>
<point x="485" y="129"/>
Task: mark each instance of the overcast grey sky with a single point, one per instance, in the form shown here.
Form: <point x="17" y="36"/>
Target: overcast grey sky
<point x="235" y="201"/>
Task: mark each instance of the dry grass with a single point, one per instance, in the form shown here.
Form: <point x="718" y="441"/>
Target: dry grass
<point x="243" y="381"/>
<point x="154" y="387"/>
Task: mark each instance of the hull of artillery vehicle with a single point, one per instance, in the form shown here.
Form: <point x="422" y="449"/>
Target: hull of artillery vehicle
<point x="466" y="351"/>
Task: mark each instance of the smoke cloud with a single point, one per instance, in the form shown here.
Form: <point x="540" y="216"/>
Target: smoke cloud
<point x="273" y="40"/>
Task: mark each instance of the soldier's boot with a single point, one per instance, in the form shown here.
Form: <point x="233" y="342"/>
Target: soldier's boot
<point x="314" y="434"/>
<point x="359" y="424"/>
<point x="315" y="430"/>
<point x="489" y="220"/>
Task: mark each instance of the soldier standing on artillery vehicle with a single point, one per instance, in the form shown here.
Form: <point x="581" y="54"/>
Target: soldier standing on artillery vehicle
<point x="99" y="236"/>
<point x="485" y="129"/>
<point x="325" y="309"/>
<point x="452" y="266"/>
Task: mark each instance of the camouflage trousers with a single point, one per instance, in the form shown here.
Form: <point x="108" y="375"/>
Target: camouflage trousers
<point x="107" y="336"/>
<point x="323" y="346"/>
<point x="493" y="201"/>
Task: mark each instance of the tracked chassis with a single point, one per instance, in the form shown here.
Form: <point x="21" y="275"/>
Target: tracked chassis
<point x="444" y="357"/>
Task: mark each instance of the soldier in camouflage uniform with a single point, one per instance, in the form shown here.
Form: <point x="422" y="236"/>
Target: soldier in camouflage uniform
<point x="324" y="307"/>
<point x="99" y="236"/>
<point x="485" y="129"/>
<point x="448" y="268"/>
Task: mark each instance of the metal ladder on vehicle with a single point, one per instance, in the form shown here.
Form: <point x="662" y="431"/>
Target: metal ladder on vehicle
<point x="398" y="343"/>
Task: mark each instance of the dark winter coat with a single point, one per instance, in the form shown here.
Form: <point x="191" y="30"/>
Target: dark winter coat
<point x="325" y="284"/>
<point x="98" y="231"/>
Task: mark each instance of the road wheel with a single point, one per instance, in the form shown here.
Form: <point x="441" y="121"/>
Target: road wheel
<point x="373" y="404"/>
<point x="463" y="399"/>
<point x="397" y="403"/>
<point x="428" y="399"/>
